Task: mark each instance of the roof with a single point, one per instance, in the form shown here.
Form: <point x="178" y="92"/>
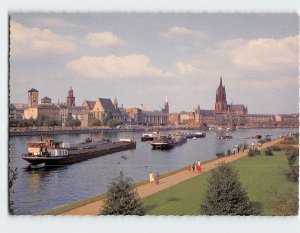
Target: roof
<point x="237" y="107"/>
<point x="208" y="112"/>
<point x="51" y="106"/>
<point x="90" y="104"/>
<point x="46" y="98"/>
<point x="108" y="105"/>
<point x="33" y="90"/>
<point x="155" y="114"/>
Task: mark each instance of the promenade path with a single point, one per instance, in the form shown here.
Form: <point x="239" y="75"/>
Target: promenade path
<point x="150" y="189"/>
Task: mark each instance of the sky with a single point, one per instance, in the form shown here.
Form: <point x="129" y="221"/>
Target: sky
<point x="142" y="58"/>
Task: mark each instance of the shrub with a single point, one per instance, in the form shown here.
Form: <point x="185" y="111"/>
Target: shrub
<point x="268" y="151"/>
<point x="220" y="155"/>
<point x="276" y="148"/>
<point x="253" y="152"/>
<point x="122" y="199"/>
<point x="284" y="204"/>
<point x="292" y="155"/>
<point x="225" y="195"/>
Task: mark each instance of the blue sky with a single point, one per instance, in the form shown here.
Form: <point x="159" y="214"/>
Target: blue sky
<point x="143" y="57"/>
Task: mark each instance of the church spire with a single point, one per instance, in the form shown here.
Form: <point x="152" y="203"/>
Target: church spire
<point x="221" y="80"/>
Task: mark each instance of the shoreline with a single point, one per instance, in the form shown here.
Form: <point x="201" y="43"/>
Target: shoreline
<point x="35" y="132"/>
<point x="91" y="205"/>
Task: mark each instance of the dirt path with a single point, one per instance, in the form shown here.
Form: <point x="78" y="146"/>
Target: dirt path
<point x="150" y="189"/>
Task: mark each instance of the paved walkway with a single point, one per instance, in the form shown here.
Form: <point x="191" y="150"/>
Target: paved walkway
<point x="150" y="189"/>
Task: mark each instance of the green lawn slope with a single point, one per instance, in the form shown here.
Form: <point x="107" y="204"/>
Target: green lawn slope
<point x="258" y="175"/>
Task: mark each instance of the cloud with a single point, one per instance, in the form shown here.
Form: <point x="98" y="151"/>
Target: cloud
<point x="54" y="22"/>
<point x="104" y="39"/>
<point x="266" y="54"/>
<point x="27" y="41"/>
<point x="188" y="69"/>
<point x="115" y="66"/>
<point x="177" y="31"/>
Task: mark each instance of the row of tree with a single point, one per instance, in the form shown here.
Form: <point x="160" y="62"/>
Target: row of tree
<point x="43" y="120"/>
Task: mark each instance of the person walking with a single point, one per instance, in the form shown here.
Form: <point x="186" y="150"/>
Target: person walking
<point x="193" y="166"/>
<point x="157" y="178"/>
<point x="151" y="177"/>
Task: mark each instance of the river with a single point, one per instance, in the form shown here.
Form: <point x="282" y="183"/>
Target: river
<point x="46" y="188"/>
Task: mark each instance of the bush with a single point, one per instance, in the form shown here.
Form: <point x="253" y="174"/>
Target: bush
<point x="225" y="195"/>
<point x="284" y="204"/>
<point x="292" y="155"/>
<point x="276" y="148"/>
<point x="253" y="152"/>
<point x="122" y="199"/>
<point x="268" y="151"/>
<point x="220" y="155"/>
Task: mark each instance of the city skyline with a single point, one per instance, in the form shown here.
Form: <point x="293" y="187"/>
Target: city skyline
<point x="142" y="58"/>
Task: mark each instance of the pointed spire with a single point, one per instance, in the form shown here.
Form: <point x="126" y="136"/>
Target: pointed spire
<point x="166" y="99"/>
<point x="221" y="80"/>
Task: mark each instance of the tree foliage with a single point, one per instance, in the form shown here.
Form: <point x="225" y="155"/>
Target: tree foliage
<point x="12" y="176"/>
<point x="225" y="195"/>
<point x="122" y="199"/>
<point x="292" y="171"/>
<point x="284" y="204"/>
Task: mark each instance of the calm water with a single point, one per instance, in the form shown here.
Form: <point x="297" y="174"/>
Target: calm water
<point x="39" y="190"/>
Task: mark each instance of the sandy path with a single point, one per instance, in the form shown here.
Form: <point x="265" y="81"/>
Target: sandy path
<point x="150" y="189"/>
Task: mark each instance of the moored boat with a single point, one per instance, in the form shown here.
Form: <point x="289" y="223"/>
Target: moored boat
<point x="196" y="135"/>
<point x="51" y="153"/>
<point x="168" y="142"/>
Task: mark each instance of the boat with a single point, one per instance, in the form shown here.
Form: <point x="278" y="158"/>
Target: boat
<point x="196" y="135"/>
<point x="147" y="137"/>
<point x="168" y="142"/>
<point x="225" y="137"/>
<point x="52" y="153"/>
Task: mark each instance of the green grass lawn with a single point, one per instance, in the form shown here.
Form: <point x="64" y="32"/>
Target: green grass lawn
<point x="258" y="175"/>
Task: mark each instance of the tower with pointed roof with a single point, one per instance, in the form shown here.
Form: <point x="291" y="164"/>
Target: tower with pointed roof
<point x="221" y="102"/>
<point x="166" y="106"/>
<point x="115" y="103"/>
<point x="70" y="98"/>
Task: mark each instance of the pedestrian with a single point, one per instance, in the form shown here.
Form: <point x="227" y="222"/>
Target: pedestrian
<point x="233" y="150"/>
<point x="157" y="178"/>
<point x="252" y="145"/>
<point x="151" y="177"/>
<point x="238" y="149"/>
<point x="199" y="163"/>
<point x="193" y="166"/>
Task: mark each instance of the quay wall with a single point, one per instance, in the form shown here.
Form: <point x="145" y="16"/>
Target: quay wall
<point x="60" y="131"/>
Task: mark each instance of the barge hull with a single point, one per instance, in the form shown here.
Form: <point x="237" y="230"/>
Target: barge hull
<point x="81" y="155"/>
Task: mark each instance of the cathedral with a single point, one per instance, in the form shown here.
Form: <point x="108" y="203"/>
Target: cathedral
<point x="221" y="106"/>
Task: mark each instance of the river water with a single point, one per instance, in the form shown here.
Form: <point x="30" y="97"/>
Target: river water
<point x="46" y="188"/>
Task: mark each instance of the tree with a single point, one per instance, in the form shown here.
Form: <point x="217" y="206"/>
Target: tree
<point x="12" y="176"/>
<point x="122" y="199"/>
<point x="225" y="195"/>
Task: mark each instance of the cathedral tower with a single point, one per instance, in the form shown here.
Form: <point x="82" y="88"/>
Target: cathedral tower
<point x="221" y="103"/>
<point x="70" y="98"/>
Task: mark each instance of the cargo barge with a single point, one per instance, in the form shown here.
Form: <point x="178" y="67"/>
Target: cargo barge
<point x="168" y="142"/>
<point x="51" y="153"/>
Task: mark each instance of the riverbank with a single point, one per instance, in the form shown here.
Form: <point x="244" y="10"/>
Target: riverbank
<point x="92" y="205"/>
<point x="35" y="131"/>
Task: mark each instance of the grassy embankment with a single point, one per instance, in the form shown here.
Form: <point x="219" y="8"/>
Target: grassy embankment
<point x="258" y="175"/>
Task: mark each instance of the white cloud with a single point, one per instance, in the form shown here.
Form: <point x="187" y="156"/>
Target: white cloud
<point x="266" y="54"/>
<point x="104" y="39"/>
<point x="188" y="69"/>
<point x="115" y="66"/>
<point x="25" y="41"/>
<point x="177" y="31"/>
